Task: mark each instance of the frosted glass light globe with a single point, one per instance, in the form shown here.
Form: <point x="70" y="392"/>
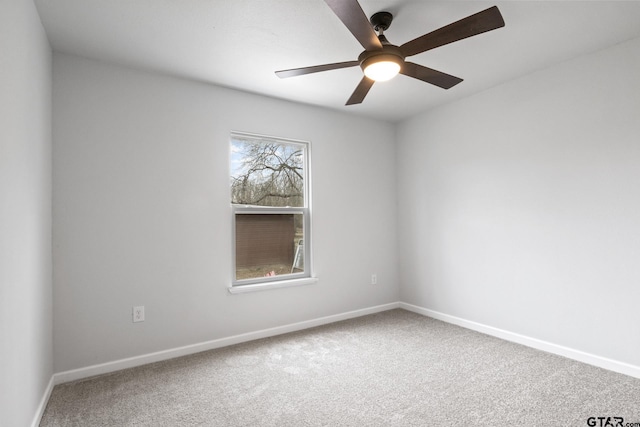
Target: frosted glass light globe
<point x="382" y="71"/>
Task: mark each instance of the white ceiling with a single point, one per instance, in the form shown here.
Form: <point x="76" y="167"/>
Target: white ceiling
<point x="240" y="43"/>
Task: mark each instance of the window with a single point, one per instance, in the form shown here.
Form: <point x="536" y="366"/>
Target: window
<point x="270" y="208"/>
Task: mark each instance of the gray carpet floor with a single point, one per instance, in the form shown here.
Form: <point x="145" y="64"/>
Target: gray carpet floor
<point x="394" y="368"/>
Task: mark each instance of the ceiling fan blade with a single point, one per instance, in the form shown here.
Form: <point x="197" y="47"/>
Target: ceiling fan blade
<point x="481" y="22"/>
<point x="429" y="75"/>
<point x="315" y="69"/>
<point x="361" y="91"/>
<point x="353" y="17"/>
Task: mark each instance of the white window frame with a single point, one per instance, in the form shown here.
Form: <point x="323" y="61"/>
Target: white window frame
<point x="294" y="279"/>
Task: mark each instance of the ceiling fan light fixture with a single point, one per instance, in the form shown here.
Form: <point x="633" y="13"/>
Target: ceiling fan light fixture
<point x="381" y="70"/>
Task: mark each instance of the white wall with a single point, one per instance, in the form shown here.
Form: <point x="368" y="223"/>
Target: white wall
<point x="142" y="213"/>
<point x="520" y="206"/>
<point x="25" y="213"/>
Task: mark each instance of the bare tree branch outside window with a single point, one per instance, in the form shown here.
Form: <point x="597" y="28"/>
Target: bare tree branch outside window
<point x="267" y="173"/>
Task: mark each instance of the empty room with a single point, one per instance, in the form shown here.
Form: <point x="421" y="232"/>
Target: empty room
<point x="319" y="213"/>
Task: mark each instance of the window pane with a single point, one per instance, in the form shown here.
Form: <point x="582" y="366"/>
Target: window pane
<point x="269" y="245"/>
<point x="267" y="173"/>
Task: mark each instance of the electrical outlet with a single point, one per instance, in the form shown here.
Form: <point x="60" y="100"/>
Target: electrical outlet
<point x="374" y="279"/>
<point x="138" y="314"/>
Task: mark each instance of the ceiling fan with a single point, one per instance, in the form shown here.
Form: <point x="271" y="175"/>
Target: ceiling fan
<point x="382" y="61"/>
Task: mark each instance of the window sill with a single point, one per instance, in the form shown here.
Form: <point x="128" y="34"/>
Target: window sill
<point x="241" y="289"/>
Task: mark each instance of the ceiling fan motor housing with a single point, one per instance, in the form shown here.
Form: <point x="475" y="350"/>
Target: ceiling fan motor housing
<point x="388" y="52"/>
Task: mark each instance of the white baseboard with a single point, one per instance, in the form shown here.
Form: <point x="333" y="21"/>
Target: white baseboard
<point x="43" y="403"/>
<point x="581" y="356"/>
<point x="103" y="368"/>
